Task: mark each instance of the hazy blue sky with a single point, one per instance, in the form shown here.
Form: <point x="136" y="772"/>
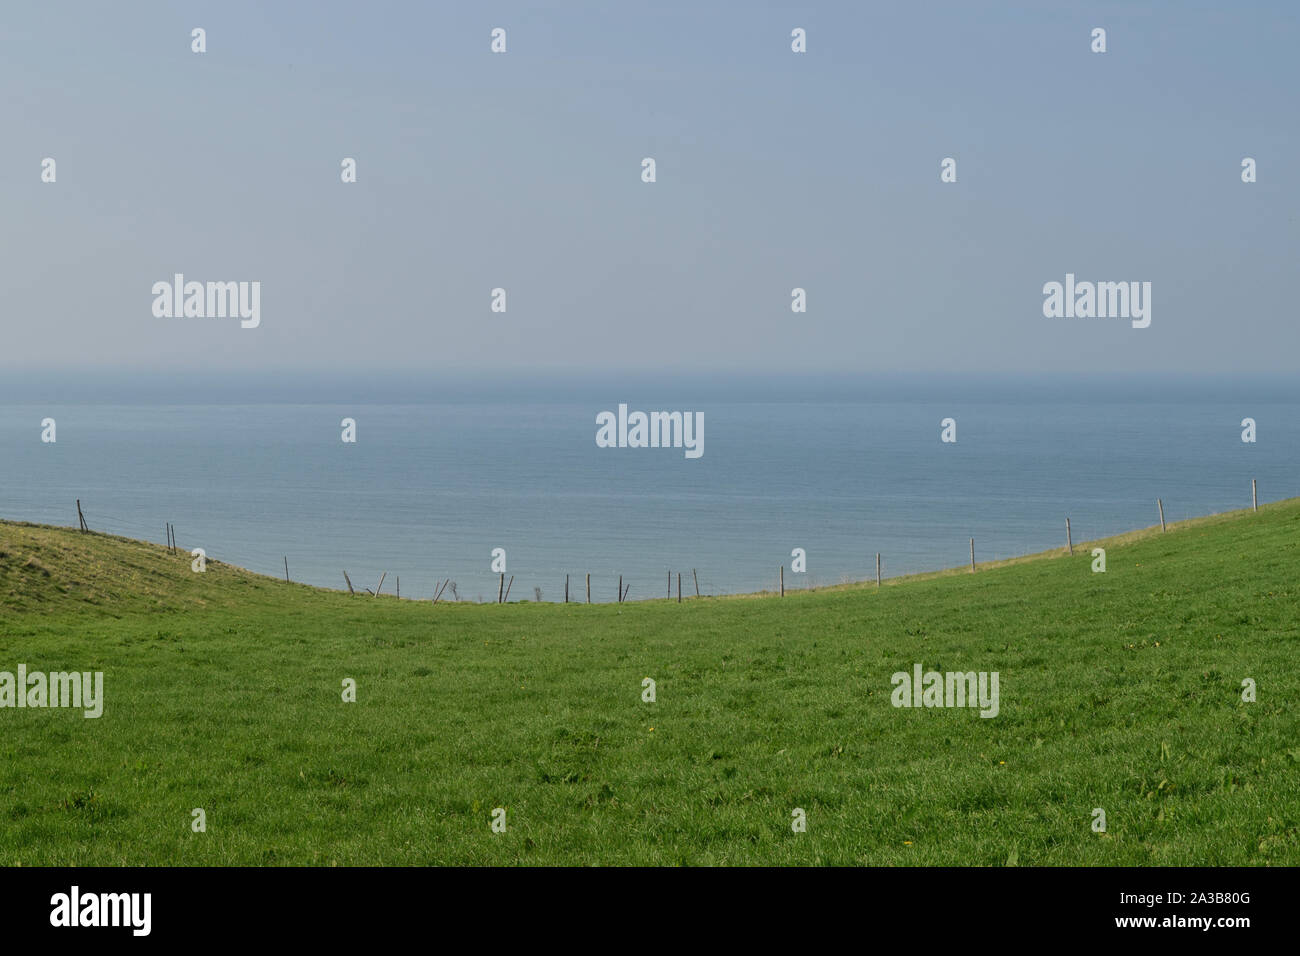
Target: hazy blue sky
<point x="775" y="170"/>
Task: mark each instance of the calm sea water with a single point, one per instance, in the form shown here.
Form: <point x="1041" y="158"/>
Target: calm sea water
<point x="429" y="490"/>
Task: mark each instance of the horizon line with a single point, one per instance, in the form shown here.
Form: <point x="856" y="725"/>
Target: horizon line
<point x="398" y="386"/>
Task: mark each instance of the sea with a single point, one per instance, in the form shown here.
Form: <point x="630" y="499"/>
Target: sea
<point x="440" y="476"/>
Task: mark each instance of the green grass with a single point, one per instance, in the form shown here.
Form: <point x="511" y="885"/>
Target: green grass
<point x="1119" y="690"/>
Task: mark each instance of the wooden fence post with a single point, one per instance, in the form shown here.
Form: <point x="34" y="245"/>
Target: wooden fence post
<point x="81" y="519"/>
<point x="1254" y="498"/>
<point x="1069" y="540"/>
<point x="697" y="583"/>
<point x="349" y="580"/>
<point x="783" y="580"/>
<point x="972" y="555"/>
<point x="566" y="589"/>
<point x="1161" y="505"/>
<point x="670" y="584"/>
<point x="877" y="569"/>
<point x="501" y="588"/>
<point x="286" y="568"/>
<point x="588" y="587"/>
<point x="508" y="586"/>
<point x="620" y="589"/>
<point x="679" y="588"/>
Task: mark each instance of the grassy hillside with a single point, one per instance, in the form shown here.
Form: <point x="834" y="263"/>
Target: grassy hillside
<point x="223" y="691"/>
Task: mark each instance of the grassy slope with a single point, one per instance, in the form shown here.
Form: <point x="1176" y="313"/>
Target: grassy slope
<point x="1119" y="691"/>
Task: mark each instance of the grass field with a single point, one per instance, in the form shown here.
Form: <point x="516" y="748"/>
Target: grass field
<point x="1120" y="690"/>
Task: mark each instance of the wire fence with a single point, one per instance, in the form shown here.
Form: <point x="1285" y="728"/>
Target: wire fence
<point x="606" y="587"/>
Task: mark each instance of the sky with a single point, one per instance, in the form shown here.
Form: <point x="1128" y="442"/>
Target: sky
<point x="775" y="170"/>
